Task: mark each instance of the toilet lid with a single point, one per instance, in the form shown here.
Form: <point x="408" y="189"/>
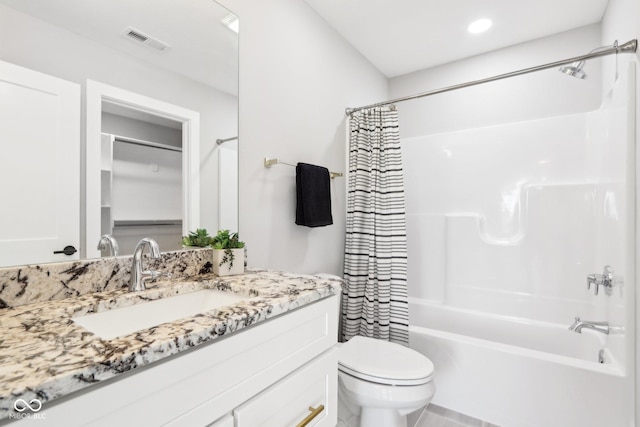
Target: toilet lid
<point x="384" y="362"/>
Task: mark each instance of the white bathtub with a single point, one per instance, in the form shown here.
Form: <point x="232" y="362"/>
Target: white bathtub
<point x="517" y="373"/>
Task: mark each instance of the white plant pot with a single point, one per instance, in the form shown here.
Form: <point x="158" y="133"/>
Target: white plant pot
<point x="226" y="269"/>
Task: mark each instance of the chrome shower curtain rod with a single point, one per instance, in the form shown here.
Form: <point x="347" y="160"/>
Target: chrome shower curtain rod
<point x="629" y="47"/>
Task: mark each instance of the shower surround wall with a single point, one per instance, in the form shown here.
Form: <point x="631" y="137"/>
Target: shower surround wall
<point x="502" y="219"/>
<point x="505" y="219"/>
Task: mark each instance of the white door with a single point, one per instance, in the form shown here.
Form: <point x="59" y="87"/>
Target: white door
<point x="39" y="167"/>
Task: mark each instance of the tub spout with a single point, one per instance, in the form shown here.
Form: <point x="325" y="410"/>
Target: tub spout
<point x="578" y="325"/>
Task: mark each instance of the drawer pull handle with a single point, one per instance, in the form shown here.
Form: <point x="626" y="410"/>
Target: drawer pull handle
<point x="314" y="413"/>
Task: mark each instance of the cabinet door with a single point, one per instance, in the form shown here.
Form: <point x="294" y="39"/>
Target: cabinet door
<point x="39" y="166"/>
<point x="310" y="390"/>
<point x="226" y="421"/>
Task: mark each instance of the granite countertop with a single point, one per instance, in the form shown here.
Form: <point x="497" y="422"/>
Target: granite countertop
<point x="45" y="355"/>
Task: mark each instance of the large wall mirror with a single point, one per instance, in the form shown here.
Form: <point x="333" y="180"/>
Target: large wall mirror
<point x="127" y="117"/>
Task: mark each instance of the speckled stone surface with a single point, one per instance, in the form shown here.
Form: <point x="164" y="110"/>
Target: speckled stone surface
<point x="44" y="354"/>
<point x="34" y="283"/>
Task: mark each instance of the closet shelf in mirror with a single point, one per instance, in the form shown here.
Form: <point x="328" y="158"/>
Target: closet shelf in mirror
<point x="146" y="222"/>
<point x="135" y="141"/>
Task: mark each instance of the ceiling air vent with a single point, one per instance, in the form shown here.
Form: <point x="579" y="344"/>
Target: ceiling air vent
<point x="144" y="39"/>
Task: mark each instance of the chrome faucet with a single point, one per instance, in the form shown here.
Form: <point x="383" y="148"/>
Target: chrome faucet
<point x="605" y="279"/>
<point x="578" y="325"/>
<point x="107" y="241"/>
<point x="138" y="275"/>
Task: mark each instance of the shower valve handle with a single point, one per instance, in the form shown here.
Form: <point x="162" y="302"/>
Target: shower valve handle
<point x="605" y="279"/>
<point x="594" y="279"/>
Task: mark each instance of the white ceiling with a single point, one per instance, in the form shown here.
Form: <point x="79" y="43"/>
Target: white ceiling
<point x="202" y="48"/>
<point x="402" y="36"/>
<point x="396" y="36"/>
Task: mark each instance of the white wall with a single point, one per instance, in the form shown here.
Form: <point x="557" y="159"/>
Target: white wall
<point x="228" y="191"/>
<point x="621" y="21"/>
<point x="445" y="130"/>
<point x="40" y="46"/>
<point x="543" y="94"/>
<point x="296" y="78"/>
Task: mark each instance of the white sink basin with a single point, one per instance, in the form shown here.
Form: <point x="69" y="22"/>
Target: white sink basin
<point x="123" y="321"/>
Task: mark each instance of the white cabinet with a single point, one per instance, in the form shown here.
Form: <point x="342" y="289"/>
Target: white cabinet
<point x="226" y="421"/>
<point x="39" y="166"/>
<point x="289" y="358"/>
<point x="309" y="394"/>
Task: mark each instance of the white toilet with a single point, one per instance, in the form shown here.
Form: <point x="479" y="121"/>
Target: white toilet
<point x="380" y="383"/>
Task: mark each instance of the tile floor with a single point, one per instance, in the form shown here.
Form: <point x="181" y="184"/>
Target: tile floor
<point x="436" y="416"/>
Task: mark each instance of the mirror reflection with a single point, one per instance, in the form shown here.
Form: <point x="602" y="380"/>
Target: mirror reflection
<point x="140" y="181"/>
<point x="117" y="118"/>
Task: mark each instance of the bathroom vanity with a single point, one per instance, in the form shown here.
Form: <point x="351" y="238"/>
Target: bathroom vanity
<point x="267" y="359"/>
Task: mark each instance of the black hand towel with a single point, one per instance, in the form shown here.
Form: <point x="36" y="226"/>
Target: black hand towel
<point x="313" y="196"/>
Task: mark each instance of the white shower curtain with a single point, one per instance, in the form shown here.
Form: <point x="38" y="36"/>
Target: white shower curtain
<point x="374" y="300"/>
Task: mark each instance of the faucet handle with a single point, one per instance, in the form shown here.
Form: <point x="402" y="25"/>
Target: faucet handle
<point x="150" y="275"/>
<point x="605" y="279"/>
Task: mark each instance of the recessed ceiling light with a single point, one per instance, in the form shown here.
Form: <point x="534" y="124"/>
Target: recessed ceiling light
<point x="232" y="22"/>
<point x="479" y="26"/>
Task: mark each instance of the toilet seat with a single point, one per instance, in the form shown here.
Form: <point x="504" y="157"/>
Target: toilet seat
<point x="383" y="362"/>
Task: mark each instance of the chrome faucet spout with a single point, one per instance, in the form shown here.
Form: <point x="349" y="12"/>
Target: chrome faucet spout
<point x="138" y="275"/>
<point x="107" y="241"/>
<point x="578" y="325"/>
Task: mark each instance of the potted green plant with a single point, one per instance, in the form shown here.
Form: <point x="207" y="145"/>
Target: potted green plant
<point x="228" y="253"/>
<point x="199" y="238"/>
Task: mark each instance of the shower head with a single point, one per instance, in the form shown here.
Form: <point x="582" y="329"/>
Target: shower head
<point x="575" y="70"/>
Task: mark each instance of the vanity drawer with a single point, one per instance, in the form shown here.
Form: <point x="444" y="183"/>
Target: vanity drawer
<point x="296" y="397"/>
<point x="226" y="421"/>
